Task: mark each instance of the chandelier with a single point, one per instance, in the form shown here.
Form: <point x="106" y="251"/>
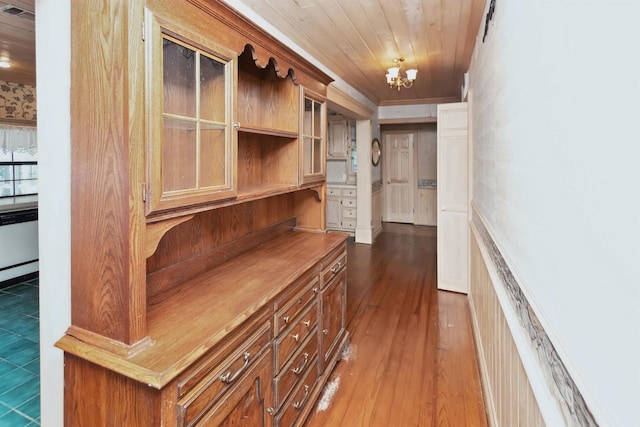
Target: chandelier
<point x="393" y="76"/>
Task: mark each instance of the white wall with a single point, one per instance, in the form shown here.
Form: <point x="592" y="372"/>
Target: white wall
<point x="52" y="50"/>
<point x="414" y="111"/>
<point x="426" y="152"/>
<point x="556" y="155"/>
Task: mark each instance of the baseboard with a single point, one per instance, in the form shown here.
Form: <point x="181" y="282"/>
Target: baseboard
<point x="19" y="279"/>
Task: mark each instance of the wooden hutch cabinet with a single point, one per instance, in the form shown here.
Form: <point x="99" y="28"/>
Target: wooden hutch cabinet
<point x="206" y="289"/>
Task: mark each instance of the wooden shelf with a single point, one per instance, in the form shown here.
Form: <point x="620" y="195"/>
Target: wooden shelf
<point x="266" y="131"/>
<point x="259" y="191"/>
<point x="186" y="321"/>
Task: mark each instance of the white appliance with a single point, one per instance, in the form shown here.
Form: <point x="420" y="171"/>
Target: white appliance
<point x="18" y="244"/>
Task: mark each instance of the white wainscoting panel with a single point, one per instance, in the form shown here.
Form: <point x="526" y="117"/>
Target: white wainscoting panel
<point x="508" y="394"/>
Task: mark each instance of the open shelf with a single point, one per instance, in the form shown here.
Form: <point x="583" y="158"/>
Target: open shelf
<point x="268" y="104"/>
<point x="266" y="160"/>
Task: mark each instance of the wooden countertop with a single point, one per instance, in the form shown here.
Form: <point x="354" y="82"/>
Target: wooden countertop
<point x="187" y="321"/>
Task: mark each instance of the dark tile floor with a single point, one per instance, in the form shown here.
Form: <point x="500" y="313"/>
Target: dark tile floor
<point x="19" y="355"/>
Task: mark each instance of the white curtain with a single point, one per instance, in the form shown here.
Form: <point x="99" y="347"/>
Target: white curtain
<point x="21" y="139"/>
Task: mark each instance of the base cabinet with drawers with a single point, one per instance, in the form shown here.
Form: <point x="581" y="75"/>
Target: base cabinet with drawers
<point x="342" y="208"/>
<point x="261" y="354"/>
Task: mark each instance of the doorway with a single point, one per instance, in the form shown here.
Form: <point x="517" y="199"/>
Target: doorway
<point x="398" y="176"/>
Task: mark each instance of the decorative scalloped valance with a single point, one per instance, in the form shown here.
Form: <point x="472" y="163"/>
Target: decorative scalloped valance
<point x="21" y="139"/>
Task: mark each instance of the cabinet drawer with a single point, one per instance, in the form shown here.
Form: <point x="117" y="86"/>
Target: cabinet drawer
<point x="349" y="224"/>
<point x="349" y="203"/>
<point x="296" y="368"/>
<point x="289" y="305"/>
<point x="333" y="264"/>
<point x="247" y="402"/>
<point x="300" y="397"/>
<point x="287" y="343"/>
<point x="348" y="213"/>
<point x="333" y="191"/>
<point x="205" y="393"/>
<point x="237" y="340"/>
<point x="349" y="192"/>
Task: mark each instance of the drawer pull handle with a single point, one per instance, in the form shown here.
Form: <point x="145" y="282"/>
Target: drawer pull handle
<point x="228" y="378"/>
<point x="307" y="323"/>
<point x="325" y="331"/>
<point x="299" y="404"/>
<point x="286" y="319"/>
<point x="336" y="267"/>
<point x="295" y="337"/>
<point x="315" y="290"/>
<point x="299" y="369"/>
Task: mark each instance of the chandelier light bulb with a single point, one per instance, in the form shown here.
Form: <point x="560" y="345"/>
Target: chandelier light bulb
<point x="395" y="80"/>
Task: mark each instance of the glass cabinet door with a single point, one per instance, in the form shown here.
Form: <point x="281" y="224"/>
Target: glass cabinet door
<point x="313" y="137"/>
<point x="190" y="159"/>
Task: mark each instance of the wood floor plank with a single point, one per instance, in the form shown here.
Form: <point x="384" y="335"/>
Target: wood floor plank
<point x="411" y="360"/>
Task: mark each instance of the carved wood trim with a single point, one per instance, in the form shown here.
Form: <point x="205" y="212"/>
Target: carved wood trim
<point x="157" y="230"/>
<point x="263" y="44"/>
<point x="317" y="192"/>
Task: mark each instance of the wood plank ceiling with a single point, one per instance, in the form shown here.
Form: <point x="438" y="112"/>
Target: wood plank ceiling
<point x="358" y="39"/>
<point x="17" y="42"/>
<point x="355" y="39"/>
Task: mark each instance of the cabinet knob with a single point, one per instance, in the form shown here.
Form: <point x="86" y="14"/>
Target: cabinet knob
<point x="271" y="411"/>
<point x="325" y="331"/>
<point x="236" y="125"/>
<point x="295" y="337"/>
<point x="286" y="319"/>
<point x="307" y="323"/>
<point x="443" y="208"/>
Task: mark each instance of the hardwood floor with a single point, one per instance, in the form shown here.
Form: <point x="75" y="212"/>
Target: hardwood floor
<point x="411" y="361"/>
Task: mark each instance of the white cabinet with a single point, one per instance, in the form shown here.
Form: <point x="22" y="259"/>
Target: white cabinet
<point x="338" y="141"/>
<point x="341" y="148"/>
<point x="341" y="208"/>
<point x="333" y="211"/>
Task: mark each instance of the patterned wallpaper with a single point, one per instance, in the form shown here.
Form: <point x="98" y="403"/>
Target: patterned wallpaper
<point x="17" y="101"/>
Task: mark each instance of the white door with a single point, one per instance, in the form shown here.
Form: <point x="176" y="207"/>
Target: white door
<point x="453" y="228"/>
<point x="398" y="171"/>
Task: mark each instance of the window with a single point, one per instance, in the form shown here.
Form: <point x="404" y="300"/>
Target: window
<point x="18" y="161"/>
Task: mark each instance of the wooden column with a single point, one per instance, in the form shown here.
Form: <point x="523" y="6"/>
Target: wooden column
<point x="107" y="171"/>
